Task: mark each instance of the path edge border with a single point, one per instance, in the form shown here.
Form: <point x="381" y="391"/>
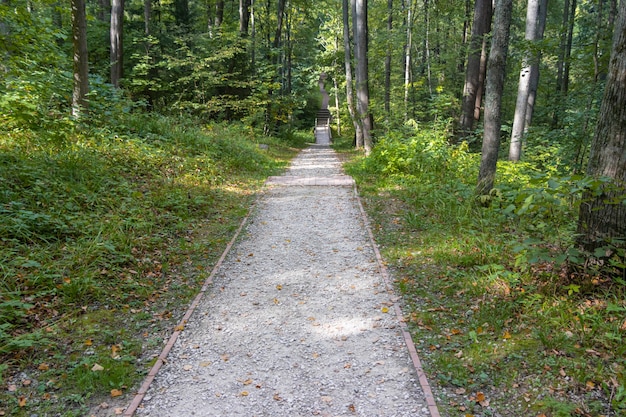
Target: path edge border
<point x="143" y="389"/>
<point x="417" y="363"/>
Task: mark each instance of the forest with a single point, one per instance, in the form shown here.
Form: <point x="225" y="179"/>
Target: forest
<point x="487" y="139"/>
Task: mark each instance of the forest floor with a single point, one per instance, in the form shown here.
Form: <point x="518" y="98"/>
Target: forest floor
<point x="299" y="319"/>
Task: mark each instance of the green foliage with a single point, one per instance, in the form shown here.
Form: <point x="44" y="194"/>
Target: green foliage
<point x="489" y="289"/>
<point x="107" y="221"/>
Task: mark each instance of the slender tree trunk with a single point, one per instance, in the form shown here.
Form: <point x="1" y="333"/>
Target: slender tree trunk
<point x="529" y="75"/>
<point x="279" y="23"/>
<point x="388" y="57"/>
<point x="348" y="68"/>
<point x="81" y="66"/>
<point x="480" y="89"/>
<point x="407" y="57"/>
<point x="117" y="48"/>
<point x="496" y="67"/>
<point x="338" y="115"/>
<point x="477" y="51"/>
<point x="219" y="13"/>
<point x="147" y="14"/>
<point x="244" y="17"/>
<point x="466" y="26"/>
<point x="568" y="50"/>
<point x="362" y="80"/>
<point x="602" y="214"/>
<point x="426" y="47"/>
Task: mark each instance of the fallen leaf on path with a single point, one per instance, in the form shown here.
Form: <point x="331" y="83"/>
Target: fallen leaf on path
<point x="279" y="287"/>
<point x="21" y="402"/>
<point x="116" y="393"/>
<point x="97" y="367"/>
<point x="385" y="310"/>
<point x="188" y="367"/>
<point x="205" y="364"/>
<point x="43" y="367"/>
<point x="352" y="408"/>
<point x="247" y="382"/>
<point x="244" y="393"/>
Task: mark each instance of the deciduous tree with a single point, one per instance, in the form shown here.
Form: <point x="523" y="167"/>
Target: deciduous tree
<point x="81" y="64"/>
<point x="496" y="67"/>
<point x="602" y="216"/>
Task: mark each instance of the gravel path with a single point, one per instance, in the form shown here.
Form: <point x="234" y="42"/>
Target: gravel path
<point x="298" y="320"/>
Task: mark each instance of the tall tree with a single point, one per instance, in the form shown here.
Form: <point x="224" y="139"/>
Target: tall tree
<point x="602" y="215"/>
<point x="362" y="80"/>
<point x="244" y="17"/>
<point x="117" y="34"/>
<point x="496" y="67"/>
<point x="536" y="13"/>
<point x="408" y="47"/>
<point x="474" y="72"/>
<point x="388" y="57"/>
<point x="563" y="62"/>
<point x="81" y="64"/>
<point x="347" y="46"/>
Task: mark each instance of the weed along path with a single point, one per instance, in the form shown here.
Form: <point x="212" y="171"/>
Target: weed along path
<point x="299" y="319"/>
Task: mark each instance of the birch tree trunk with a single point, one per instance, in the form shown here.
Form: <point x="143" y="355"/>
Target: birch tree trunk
<point x="602" y="215"/>
<point x="528" y="77"/>
<point x="496" y="66"/>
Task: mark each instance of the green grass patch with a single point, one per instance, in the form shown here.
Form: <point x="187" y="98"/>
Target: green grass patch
<point x="106" y="233"/>
<point x="502" y="326"/>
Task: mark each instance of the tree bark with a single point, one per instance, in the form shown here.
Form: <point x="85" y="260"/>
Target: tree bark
<point x="388" y="57"/>
<point x="602" y="215"/>
<point x="117" y="35"/>
<point x="362" y="81"/>
<point x="81" y="66"/>
<point x="496" y="67"/>
<point x="528" y="77"/>
<point x="348" y="68"/>
<point x="473" y="87"/>
<point x="244" y="17"/>
<point x="407" y="57"/>
<point x="219" y="13"/>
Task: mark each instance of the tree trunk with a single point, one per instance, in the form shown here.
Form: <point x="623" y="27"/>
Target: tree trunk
<point x="496" y="66"/>
<point x="244" y="17"/>
<point x="602" y="215"/>
<point x="426" y="47"/>
<point x="388" y="57"/>
<point x="362" y="81"/>
<point x="279" y="23"/>
<point x="477" y="50"/>
<point x="529" y="75"/>
<point x="117" y="34"/>
<point x="219" y="13"/>
<point x="348" y="67"/>
<point x="147" y="14"/>
<point x="104" y="6"/>
<point x="407" y="57"/>
<point x="81" y="66"/>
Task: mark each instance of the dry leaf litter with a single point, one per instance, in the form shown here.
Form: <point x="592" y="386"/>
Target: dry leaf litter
<point x="298" y="321"/>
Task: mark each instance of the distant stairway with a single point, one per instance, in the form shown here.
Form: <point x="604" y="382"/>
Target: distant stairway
<point x="322" y="127"/>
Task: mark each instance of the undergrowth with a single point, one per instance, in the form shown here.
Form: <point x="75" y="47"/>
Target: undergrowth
<point x="108" y="227"/>
<point x="503" y="326"/>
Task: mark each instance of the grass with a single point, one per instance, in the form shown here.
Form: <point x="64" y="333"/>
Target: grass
<point x="501" y="325"/>
<point x="106" y="233"/>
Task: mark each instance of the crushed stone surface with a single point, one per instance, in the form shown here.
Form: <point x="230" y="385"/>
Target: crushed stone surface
<point x="298" y="321"/>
